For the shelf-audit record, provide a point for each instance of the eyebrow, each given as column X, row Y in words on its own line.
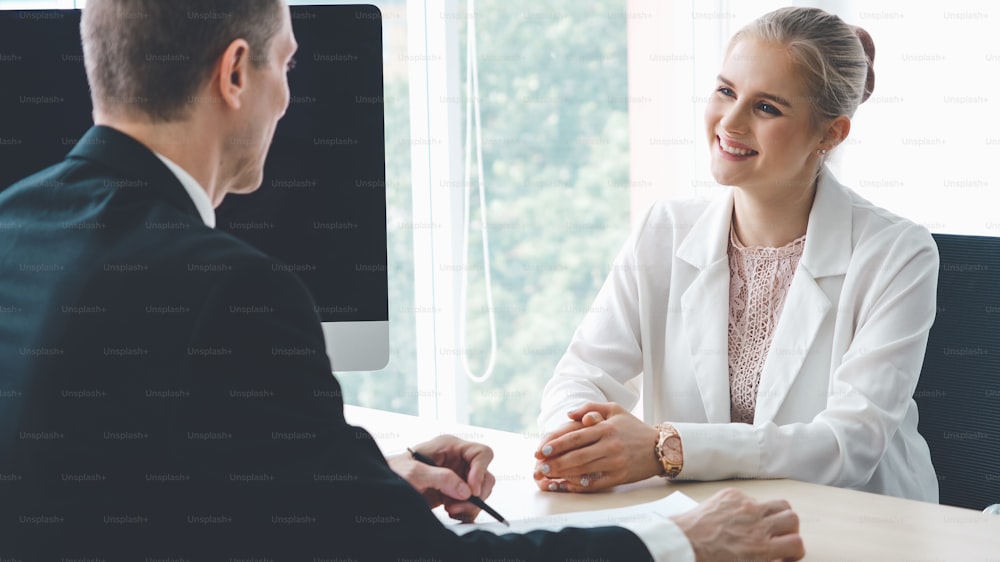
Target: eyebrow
column 764, row 95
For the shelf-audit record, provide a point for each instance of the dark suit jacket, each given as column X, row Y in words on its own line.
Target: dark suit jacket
column 165, row 393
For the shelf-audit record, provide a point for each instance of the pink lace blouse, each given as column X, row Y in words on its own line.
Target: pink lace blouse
column 759, row 278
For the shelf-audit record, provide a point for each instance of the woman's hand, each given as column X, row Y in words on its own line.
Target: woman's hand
column 460, row 472
column 603, row 446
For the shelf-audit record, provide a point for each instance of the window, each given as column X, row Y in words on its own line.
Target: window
column 552, row 100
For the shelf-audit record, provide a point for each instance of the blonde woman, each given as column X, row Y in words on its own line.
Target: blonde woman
column 776, row 334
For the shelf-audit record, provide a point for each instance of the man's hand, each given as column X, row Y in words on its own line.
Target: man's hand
column 461, row 472
column 731, row 526
column 603, row 446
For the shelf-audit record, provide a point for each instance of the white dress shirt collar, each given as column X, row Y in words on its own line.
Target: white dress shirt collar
column 194, row 189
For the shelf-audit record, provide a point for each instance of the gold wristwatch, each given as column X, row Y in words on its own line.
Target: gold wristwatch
column 669, row 451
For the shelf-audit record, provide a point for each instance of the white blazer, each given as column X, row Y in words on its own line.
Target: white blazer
column 835, row 402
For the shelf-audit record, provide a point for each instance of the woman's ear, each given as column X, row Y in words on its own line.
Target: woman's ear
column 836, row 131
column 231, row 75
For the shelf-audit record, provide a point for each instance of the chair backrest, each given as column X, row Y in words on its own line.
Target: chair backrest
column 958, row 395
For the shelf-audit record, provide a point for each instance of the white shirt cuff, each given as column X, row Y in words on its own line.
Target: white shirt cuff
column 663, row 538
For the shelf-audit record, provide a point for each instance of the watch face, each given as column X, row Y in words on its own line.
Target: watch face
column 672, row 450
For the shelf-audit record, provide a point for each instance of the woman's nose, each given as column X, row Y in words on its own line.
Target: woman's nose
column 734, row 118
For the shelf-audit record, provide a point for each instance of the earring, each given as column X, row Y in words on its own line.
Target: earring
column 822, row 152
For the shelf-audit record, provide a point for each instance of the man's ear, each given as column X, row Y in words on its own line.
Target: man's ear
column 837, row 131
column 231, row 78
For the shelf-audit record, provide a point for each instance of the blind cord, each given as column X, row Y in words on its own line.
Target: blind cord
column 472, row 110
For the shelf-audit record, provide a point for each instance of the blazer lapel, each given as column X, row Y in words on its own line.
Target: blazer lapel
column 705, row 307
column 806, row 305
column 827, row 253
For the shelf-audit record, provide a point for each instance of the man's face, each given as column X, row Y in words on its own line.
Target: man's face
column 266, row 101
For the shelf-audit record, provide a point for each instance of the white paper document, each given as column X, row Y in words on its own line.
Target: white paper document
column 673, row 504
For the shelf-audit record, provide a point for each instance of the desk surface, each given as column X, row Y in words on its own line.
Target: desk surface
column 836, row 524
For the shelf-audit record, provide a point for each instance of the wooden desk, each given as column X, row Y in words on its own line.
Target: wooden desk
column 836, row 524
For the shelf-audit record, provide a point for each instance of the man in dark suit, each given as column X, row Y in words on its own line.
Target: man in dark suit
column 145, row 413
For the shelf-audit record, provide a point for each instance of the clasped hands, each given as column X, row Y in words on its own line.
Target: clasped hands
column 603, row 445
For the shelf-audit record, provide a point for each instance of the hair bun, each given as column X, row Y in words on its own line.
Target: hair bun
column 869, row 46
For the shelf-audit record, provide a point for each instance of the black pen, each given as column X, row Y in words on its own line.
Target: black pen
column 474, row 500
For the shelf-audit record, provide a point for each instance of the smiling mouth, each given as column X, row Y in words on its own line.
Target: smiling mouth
column 736, row 151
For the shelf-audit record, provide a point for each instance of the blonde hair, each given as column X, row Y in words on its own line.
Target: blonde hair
column 835, row 58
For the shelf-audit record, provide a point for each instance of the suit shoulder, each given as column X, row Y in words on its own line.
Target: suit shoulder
column 56, row 176
column 205, row 249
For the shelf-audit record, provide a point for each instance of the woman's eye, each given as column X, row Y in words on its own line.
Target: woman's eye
column 768, row 108
column 726, row 91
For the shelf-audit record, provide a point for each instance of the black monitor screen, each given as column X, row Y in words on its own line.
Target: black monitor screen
column 44, row 98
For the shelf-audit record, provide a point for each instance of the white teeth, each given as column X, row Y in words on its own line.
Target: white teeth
column 736, row 151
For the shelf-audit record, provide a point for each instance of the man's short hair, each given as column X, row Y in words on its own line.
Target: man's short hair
column 149, row 58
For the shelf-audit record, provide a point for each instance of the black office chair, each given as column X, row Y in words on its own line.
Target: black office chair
column 959, row 390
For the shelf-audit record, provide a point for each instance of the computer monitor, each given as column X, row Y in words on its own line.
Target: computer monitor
column 321, row 207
